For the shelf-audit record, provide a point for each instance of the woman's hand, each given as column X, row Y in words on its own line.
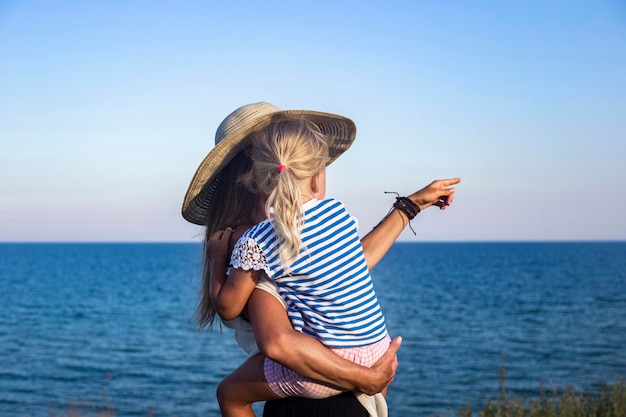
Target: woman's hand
column 437, row 193
column 384, row 370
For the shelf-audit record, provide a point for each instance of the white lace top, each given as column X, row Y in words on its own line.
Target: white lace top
column 247, row 255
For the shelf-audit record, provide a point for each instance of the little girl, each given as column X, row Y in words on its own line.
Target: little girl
column 310, row 248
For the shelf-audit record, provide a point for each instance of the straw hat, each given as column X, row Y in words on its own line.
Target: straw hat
column 233, row 135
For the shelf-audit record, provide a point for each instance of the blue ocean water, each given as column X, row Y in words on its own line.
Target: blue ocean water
column 111, row 324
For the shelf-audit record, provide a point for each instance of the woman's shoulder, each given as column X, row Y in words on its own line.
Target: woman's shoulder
column 237, row 233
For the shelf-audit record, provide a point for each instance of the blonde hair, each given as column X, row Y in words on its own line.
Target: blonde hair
column 284, row 152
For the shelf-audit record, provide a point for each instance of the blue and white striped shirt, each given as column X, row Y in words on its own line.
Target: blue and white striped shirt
column 328, row 288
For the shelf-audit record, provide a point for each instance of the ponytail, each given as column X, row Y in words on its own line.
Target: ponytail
column 287, row 151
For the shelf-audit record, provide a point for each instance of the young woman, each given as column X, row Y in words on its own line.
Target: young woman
column 215, row 200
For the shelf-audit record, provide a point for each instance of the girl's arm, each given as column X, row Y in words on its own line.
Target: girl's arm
column 305, row 355
column 378, row 241
column 229, row 294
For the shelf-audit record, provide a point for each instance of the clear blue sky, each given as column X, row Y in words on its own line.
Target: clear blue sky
column 107, row 108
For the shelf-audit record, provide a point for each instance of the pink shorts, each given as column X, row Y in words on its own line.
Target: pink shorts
column 287, row 383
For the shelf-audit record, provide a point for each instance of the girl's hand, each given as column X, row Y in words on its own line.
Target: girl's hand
column 437, row 193
column 218, row 246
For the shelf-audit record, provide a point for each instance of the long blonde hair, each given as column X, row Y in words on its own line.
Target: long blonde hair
column 284, row 152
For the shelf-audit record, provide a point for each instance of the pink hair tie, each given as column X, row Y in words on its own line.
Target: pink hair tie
column 281, row 168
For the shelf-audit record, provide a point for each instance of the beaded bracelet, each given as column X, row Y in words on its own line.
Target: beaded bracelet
column 406, row 206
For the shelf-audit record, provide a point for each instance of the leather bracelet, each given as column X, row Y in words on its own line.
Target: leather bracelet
column 406, row 206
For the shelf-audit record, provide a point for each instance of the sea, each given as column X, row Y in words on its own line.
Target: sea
column 92, row 327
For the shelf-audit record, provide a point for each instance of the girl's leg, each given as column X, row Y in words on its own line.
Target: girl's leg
column 244, row 386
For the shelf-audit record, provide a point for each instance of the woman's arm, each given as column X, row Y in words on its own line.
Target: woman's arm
column 378, row 241
column 306, row 355
column 280, row 342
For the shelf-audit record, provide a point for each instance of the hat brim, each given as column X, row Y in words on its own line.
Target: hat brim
column 340, row 132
